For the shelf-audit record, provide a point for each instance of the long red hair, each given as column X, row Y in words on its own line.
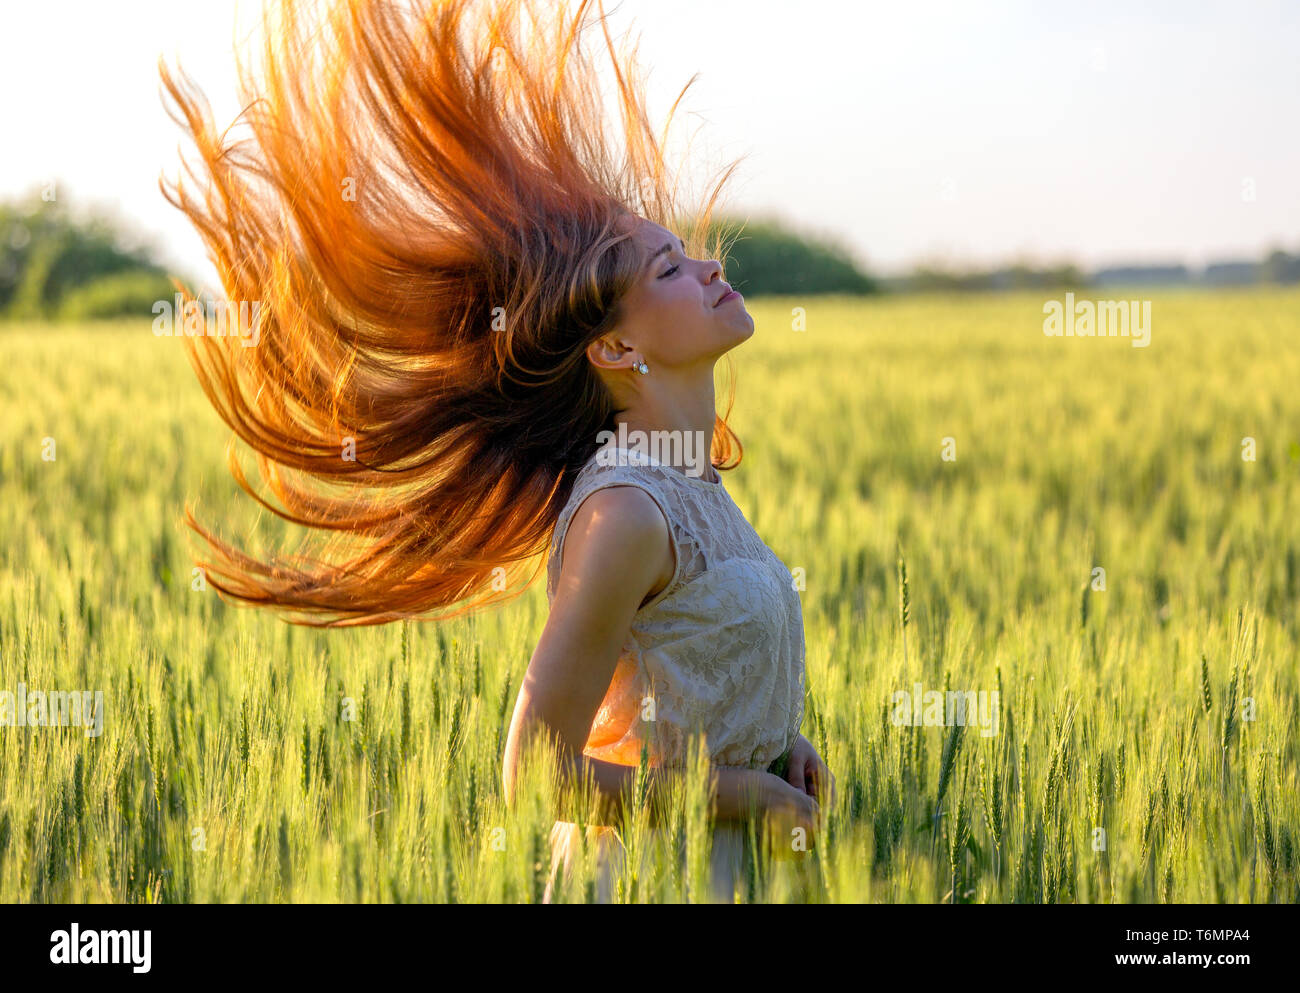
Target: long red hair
column 431, row 216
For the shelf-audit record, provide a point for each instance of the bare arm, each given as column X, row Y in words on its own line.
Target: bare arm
column 617, row 554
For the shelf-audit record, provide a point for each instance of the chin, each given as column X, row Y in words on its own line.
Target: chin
column 742, row 335
column 737, row 331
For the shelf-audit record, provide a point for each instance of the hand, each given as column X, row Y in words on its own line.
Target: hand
column 785, row 809
column 809, row 774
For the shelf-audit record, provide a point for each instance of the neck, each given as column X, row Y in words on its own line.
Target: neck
column 678, row 410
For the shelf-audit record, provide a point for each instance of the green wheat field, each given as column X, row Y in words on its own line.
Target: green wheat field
column 1095, row 549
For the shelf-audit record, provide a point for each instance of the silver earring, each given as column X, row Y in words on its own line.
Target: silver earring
column 641, row 367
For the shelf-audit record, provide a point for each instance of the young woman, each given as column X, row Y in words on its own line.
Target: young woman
column 463, row 287
column 668, row 613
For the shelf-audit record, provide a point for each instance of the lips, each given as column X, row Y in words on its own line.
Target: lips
column 722, row 299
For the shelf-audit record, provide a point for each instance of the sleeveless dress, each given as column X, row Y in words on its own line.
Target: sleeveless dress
column 720, row 648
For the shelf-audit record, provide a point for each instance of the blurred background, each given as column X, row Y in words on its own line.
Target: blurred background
column 914, row 147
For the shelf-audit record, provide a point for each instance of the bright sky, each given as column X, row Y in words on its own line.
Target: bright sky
column 925, row 130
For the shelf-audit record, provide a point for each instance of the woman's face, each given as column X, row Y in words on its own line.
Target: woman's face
column 678, row 313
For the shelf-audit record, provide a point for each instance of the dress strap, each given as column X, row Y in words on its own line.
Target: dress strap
column 598, row 477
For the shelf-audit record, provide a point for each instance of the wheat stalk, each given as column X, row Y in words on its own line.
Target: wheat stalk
column 904, row 603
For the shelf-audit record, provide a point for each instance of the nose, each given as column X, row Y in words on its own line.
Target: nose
column 714, row 270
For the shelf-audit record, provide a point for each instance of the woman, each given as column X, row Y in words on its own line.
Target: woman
column 457, row 273
column 663, row 599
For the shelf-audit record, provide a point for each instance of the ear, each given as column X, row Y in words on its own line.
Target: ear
column 608, row 352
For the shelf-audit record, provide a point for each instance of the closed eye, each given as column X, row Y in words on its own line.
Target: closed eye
column 670, row 272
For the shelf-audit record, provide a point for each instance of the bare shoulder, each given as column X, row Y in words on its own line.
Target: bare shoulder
column 618, row 534
column 615, row 554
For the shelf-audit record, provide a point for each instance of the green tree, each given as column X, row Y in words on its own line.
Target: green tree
column 48, row 258
column 765, row 257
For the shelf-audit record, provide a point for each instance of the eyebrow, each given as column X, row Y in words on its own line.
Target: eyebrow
column 667, row 247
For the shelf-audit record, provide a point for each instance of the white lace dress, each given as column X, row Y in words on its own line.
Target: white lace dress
column 720, row 648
